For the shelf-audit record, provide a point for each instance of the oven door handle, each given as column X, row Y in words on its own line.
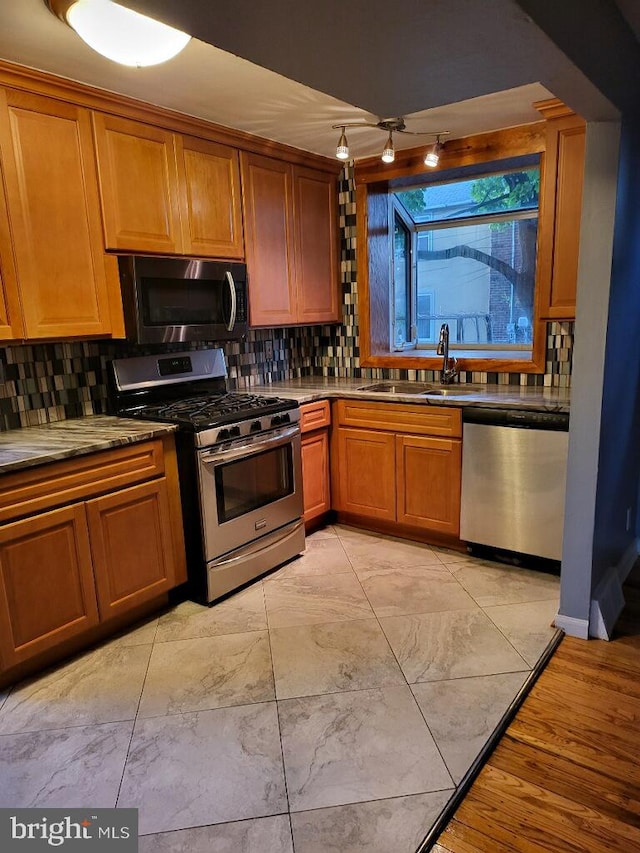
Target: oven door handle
column 281, row 438
column 232, row 293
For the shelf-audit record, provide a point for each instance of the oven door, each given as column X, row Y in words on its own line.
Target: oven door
column 249, row 489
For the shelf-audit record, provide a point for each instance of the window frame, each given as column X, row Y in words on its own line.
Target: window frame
column 373, row 186
column 396, row 212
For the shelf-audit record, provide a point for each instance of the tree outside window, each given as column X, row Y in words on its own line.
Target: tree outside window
column 474, row 251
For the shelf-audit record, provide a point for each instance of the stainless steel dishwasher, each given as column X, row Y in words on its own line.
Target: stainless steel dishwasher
column 514, row 466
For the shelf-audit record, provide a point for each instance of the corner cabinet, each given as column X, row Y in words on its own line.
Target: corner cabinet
column 291, row 222
column 165, row 193
column 85, row 541
column 398, row 464
column 315, row 419
column 560, row 211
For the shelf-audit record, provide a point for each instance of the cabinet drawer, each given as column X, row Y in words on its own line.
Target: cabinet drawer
column 58, row 483
column 399, row 417
column 315, row 416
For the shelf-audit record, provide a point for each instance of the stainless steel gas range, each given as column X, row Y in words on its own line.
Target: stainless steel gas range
column 239, row 462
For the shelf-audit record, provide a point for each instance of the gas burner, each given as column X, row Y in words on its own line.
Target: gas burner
column 211, row 410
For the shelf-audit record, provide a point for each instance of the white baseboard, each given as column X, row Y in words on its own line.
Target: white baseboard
column 608, row 601
column 573, row 627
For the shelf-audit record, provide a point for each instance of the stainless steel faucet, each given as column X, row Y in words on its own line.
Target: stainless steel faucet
column 449, row 365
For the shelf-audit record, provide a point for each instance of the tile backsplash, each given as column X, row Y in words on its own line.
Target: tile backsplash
column 49, row 382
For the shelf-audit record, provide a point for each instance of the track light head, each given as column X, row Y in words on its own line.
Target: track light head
column 432, row 157
column 342, row 149
column 388, row 152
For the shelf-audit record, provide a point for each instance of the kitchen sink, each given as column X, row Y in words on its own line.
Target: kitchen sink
column 397, row 387
column 422, row 389
column 453, row 391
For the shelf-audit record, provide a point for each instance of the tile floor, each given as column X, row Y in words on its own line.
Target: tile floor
column 332, row 706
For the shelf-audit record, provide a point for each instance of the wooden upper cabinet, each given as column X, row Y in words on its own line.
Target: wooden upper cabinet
column 268, row 212
column 138, row 185
column 316, row 232
column 11, row 327
column 209, row 181
column 68, row 286
column 165, row 193
column 560, row 211
column 290, row 215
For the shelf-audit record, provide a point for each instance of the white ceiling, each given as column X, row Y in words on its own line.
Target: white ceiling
column 208, row 82
column 288, row 70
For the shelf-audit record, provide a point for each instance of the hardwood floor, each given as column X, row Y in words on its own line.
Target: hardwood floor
column 565, row 777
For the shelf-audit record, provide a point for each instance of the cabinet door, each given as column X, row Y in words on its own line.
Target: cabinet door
column 67, row 285
column 366, row 473
column 209, row 176
column 132, row 547
column 268, row 211
column 138, row 185
column 316, row 235
column 429, row 472
column 561, row 208
column 46, row 583
column 10, row 314
column 315, row 474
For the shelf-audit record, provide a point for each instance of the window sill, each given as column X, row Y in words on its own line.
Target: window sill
column 476, row 361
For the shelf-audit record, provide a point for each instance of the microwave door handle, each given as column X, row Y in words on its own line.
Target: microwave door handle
column 232, row 292
column 279, row 440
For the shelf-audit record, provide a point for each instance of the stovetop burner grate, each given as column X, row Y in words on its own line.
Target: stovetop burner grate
column 211, row 409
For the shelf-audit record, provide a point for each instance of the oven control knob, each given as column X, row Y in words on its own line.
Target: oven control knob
column 256, row 426
column 223, row 434
column 285, row 419
column 276, row 420
column 234, row 432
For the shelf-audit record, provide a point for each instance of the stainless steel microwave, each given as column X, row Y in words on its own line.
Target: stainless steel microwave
column 182, row 299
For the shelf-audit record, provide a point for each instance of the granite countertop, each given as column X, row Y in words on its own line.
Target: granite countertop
column 309, row 388
column 36, row 445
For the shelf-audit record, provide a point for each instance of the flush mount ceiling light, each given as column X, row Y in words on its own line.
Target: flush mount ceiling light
column 390, row 126
column 120, row 34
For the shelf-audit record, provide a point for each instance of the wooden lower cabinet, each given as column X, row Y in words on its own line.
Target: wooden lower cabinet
column 429, row 471
column 66, row 571
column 315, row 475
column 367, row 473
column 47, row 593
column 388, row 468
column 130, row 533
column 315, row 419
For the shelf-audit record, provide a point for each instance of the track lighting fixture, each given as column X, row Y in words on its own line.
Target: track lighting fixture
column 120, row 34
column 432, row 157
column 390, row 126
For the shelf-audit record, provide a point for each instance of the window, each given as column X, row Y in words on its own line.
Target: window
column 402, row 333
column 465, row 255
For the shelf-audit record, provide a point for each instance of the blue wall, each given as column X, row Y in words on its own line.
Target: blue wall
column 619, row 459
